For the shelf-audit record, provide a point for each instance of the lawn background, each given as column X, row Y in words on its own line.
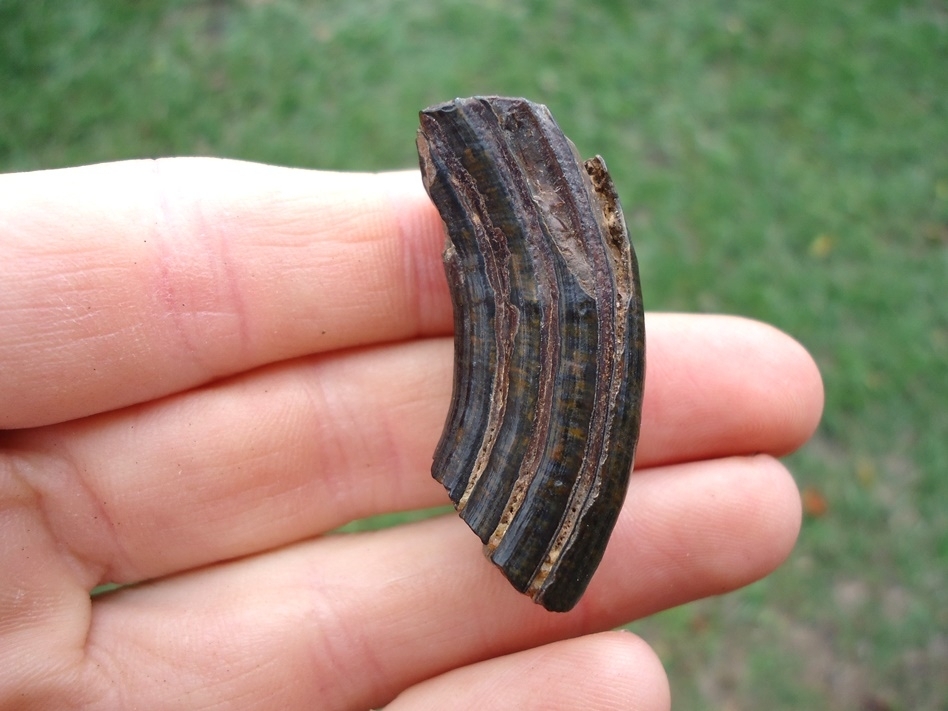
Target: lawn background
column 785, row 161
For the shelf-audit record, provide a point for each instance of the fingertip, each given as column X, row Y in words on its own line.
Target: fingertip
column 775, row 512
column 635, row 671
column 693, row 530
column 754, row 521
column 610, row 670
column 808, row 397
column 788, row 385
column 719, row 386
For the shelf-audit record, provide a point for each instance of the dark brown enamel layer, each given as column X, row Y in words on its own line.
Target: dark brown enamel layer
column 549, row 341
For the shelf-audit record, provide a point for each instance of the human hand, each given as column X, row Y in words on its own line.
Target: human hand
column 208, row 365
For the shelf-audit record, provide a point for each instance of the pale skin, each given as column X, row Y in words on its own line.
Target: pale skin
column 206, row 366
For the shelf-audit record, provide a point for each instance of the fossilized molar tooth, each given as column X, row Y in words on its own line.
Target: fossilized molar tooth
column 549, row 341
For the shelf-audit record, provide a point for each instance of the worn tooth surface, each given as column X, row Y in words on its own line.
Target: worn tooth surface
column 549, row 364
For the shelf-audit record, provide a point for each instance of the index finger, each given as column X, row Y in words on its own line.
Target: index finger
column 124, row 282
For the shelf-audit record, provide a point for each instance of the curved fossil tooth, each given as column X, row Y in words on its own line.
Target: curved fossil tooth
column 549, row 341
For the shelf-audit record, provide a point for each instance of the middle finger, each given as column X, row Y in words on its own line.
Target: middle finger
column 300, row 448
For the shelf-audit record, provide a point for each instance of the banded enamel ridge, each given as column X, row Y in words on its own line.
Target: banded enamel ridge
column 549, row 334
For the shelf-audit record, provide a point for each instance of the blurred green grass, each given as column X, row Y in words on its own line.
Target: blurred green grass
column 788, row 162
